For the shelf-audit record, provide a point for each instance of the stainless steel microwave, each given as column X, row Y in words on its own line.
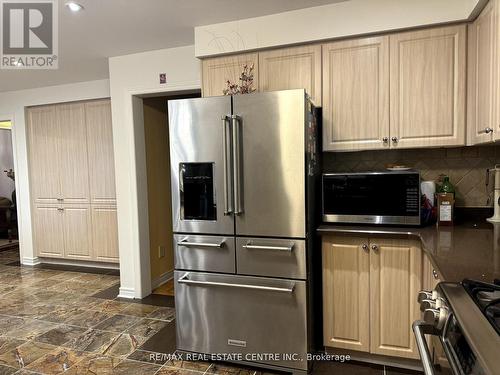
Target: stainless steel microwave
column 389, row 197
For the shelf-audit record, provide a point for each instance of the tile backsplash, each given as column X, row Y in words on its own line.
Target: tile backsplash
column 466, row 167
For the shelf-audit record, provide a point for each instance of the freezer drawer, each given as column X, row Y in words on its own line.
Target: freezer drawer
column 271, row 257
column 241, row 314
column 204, row 253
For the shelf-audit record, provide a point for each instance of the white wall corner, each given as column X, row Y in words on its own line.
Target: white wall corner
column 164, row 277
column 27, row 261
column 128, row 293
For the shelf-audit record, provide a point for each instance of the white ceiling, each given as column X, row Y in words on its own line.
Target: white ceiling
column 118, row 27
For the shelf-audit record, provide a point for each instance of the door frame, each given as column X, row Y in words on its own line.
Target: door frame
column 11, row 118
column 140, row 266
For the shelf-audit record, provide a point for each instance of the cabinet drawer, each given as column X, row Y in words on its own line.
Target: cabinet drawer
column 271, row 257
column 204, row 253
column 241, row 314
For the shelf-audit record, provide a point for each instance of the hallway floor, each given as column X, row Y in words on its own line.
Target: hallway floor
column 54, row 321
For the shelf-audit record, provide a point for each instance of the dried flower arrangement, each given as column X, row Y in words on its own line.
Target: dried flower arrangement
column 246, row 86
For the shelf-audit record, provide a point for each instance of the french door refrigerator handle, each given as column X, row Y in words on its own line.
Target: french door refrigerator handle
column 228, row 201
column 238, row 205
column 184, row 280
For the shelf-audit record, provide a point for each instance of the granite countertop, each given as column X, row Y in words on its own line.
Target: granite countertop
column 470, row 249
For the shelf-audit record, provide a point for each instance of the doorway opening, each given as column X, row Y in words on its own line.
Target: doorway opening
column 9, row 245
column 156, row 136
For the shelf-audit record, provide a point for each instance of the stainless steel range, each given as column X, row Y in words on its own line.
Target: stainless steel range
column 244, row 172
column 466, row 318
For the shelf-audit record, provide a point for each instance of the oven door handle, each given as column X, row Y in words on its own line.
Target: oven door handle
column 420, row 329
column 184, row 280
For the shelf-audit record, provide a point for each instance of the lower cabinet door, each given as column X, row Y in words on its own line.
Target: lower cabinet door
column 48, row 231
column 242, row 315
column 395, row 280
column 346, row 293
column 105, row 234
column 77, row 232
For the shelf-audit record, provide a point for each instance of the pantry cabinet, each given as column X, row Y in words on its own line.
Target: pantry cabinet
column 71, row 164
column 427, row 94
column 370, row 287
column 483, row 77
column 216, row 71
column 356, row 94
column 292, row 68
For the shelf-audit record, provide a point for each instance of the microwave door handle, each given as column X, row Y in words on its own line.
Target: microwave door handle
column 238, row 205
column 228, row 202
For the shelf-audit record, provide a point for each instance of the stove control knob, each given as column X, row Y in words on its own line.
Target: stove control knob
column 431, row 316
column 423, row 295
column 436, row 317
column 427, row 304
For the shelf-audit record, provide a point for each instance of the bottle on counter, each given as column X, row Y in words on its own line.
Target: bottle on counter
column 446, row 202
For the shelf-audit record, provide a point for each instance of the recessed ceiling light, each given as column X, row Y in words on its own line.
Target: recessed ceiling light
column 74, row 6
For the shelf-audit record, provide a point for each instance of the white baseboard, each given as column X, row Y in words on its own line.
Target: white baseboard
column 128, row 293
column 26, row 261
column 164, row 277
column 79, row 263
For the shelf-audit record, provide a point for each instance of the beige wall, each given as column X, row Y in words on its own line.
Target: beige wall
column 159, row 197
column 466, row 167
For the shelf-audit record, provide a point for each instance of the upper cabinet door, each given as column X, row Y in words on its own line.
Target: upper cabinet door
column 356, row 94
column 428, row 87
column 481, row 74
column 292, row 68
column 100, row 151
column 217, row 71
column 44, row 157
column 74, row 158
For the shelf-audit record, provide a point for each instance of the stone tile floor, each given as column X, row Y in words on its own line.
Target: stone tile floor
column 52, row 322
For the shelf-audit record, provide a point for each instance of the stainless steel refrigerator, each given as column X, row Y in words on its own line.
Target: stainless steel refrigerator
column 244, row 171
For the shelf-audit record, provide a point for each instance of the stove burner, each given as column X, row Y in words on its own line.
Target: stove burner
column 487, row 298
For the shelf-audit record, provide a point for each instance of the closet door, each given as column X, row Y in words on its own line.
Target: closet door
column 100, row 152
column 43, row 148
column 48, row 231
column 73, row 153
column 77, row 232
column 105, row 234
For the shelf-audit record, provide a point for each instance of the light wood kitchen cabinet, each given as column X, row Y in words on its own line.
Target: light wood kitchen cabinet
column 427, row 93
column 73, row 153
column 356, row 94
column 483, row 77
column 216, row 71
column 370, row 288
column 43, row 132
column 48, row 230
column 395, row 280
column 292, row 68
column 346, row 271
column 100, row 152
column 105, row 233
column 72, row 172
column 77, row 232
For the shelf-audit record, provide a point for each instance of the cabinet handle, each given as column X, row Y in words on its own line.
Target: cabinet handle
column 435, row 274
column 395, row 139
column 385, row 139
column 488, row 130
column 374, row 247
column 60, row 209
column 364, row 247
